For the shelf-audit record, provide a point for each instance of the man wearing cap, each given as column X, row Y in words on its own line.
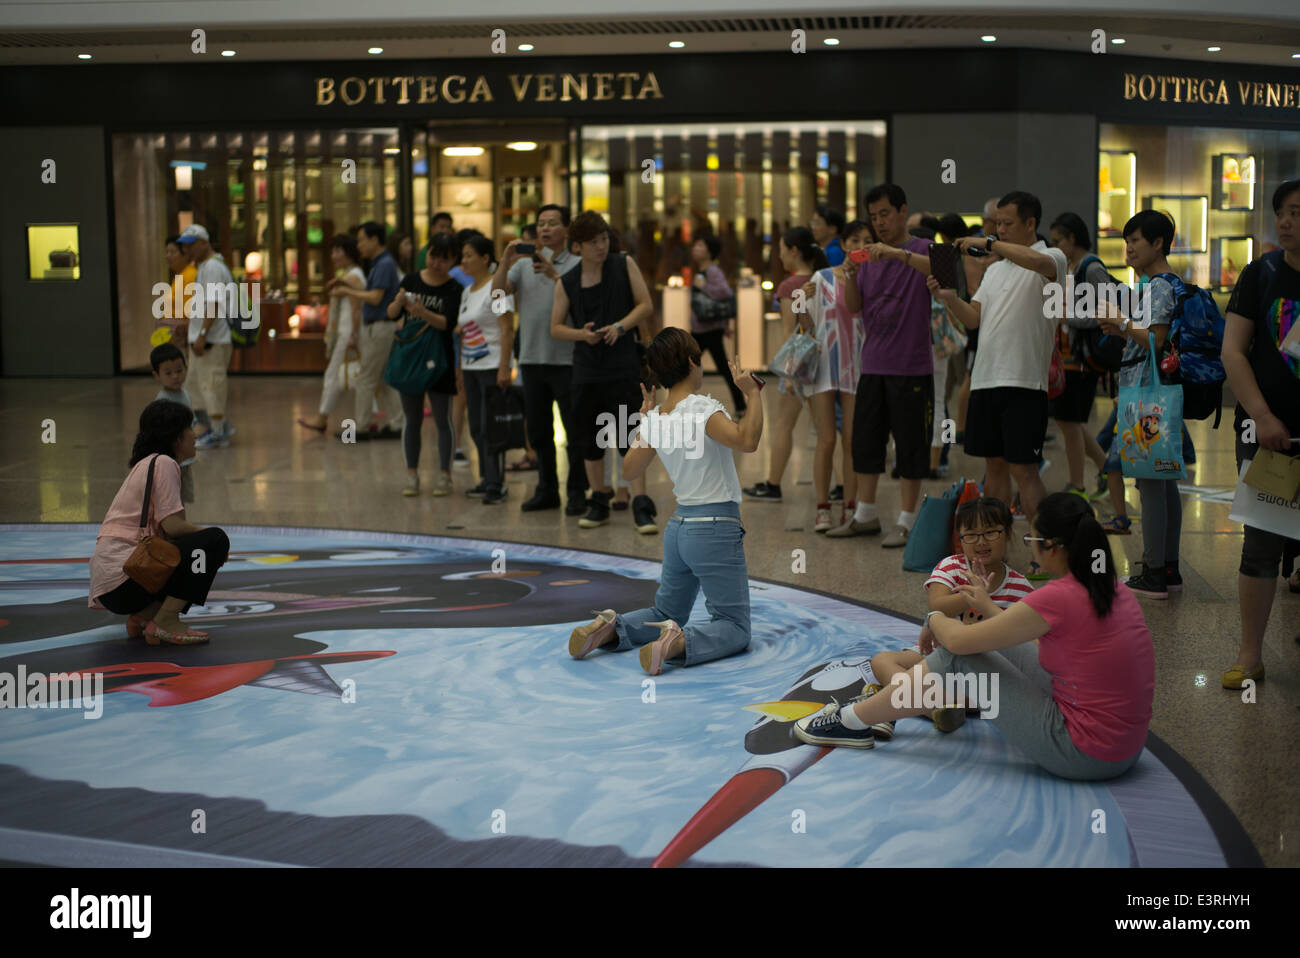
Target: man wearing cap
column 209, row 334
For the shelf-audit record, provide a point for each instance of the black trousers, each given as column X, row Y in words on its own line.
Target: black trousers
column 130, row 597
column 543, row 385
column 711, row 342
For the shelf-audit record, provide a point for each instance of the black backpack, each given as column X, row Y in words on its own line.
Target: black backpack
column 1093, row 349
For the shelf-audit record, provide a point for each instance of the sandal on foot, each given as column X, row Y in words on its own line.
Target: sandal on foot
column 135, row 627
column 154, row 635
column 585, row 639
column 1118, row 526
column 306, row 425
column 654, row 654
column 1236, row 676
column 525, row 464
column 1035, row 573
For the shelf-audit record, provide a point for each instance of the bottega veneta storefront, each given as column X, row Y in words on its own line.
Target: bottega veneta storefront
column 274, row 159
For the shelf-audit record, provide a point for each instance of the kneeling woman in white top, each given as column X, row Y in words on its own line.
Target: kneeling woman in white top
column 703, row 542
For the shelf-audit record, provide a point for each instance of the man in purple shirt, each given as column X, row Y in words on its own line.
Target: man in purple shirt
column 896, row 388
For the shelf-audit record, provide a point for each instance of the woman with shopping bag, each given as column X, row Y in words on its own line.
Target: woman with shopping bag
column 341, row 334
column 1148, row 442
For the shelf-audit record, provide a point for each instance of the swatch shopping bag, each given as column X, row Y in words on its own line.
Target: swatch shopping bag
column 1263, row 510
column 928, row 542
column 1149, row 428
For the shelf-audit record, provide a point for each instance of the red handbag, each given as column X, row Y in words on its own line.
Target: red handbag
column 1055, row 376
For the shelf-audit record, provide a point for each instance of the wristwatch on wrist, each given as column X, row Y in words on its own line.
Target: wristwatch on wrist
column 1124, row 324
column 933, row 612
column 619, row 327
column 988, row 243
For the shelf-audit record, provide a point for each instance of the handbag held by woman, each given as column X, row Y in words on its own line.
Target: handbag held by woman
column 154, row 559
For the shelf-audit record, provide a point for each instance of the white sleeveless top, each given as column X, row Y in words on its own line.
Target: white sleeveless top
column 703, row 470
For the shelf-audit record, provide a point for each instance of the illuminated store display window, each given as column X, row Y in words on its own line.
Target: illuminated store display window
column 1234, row 179
column 53, row 251
column 1191, row 220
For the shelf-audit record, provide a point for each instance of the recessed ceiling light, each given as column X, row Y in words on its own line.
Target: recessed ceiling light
column 988, row 38
column 227, row 53
column 832, row 41
column 525, row 47
column 523, row 146
column 462, row 151
column 83, row 56
column 1118, row 40
column 676, row 44
column 1295, row 56
column 1214, row 49
column 375, row 51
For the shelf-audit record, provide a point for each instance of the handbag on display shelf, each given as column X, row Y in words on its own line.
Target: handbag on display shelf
column 154, row 559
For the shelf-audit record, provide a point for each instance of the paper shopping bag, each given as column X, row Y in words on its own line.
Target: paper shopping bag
column 1275, row 473
column 1262, row 510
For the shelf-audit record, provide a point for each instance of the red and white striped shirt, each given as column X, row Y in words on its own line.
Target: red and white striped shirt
column 953, row 572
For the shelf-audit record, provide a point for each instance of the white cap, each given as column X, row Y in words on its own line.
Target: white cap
column 192, row 233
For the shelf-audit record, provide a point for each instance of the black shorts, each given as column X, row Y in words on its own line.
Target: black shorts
column 1007, row 423
column 1075, row 404
column 1262, row 552
column 620, row 400
column 903, row 405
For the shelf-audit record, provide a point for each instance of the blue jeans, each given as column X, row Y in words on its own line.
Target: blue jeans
column 708, row 555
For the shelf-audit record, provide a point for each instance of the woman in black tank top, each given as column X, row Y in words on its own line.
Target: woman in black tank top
column 598, row 307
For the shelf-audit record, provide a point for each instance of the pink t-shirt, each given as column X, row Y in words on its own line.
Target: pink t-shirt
column 1103, row 670
column 120, row 530
column 953, row 572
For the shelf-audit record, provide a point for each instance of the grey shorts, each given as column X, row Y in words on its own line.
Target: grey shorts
column 1028, row 717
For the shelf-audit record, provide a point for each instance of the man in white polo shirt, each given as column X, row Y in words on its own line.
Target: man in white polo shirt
column 211, row 309
column 1007, row 418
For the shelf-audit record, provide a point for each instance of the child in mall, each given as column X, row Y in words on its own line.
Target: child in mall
column 975, row 585
column 169, row 369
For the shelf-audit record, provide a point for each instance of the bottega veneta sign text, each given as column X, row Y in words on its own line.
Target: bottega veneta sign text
column 1183, row 89
column 457, row 88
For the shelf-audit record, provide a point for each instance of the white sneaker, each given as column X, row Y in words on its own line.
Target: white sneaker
column 896, row 539
column 412, row 487
column 823, row 522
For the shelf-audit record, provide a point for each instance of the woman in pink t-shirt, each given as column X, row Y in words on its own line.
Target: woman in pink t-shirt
column 1077, row 703
column 165, row 440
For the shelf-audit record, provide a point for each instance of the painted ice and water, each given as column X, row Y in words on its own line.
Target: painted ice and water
column 474, row 727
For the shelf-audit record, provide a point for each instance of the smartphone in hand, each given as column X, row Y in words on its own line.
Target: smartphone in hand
column 860, row 255
column 526, row 249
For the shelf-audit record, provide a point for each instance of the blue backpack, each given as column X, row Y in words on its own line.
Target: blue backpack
column 1196, row 336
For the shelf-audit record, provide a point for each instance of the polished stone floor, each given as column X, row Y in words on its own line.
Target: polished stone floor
column 278, row 474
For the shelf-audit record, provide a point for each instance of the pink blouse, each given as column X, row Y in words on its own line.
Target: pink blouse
column 120, row 530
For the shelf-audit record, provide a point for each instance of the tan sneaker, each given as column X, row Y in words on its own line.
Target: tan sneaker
column 855, row 528
column 442, row 485
column 412, row 487
column 896, row 539
column 823, row 522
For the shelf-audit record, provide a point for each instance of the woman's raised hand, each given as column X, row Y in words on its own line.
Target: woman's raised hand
column 743, row 380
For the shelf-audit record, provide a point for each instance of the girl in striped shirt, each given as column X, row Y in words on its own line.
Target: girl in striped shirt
column 972, row 586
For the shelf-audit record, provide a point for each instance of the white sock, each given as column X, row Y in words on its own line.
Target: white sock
column 906, row 519
column 865, row 511
column 850, row 720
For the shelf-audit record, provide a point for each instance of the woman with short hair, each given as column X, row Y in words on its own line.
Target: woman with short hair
column 165, row 439
column 694, row 438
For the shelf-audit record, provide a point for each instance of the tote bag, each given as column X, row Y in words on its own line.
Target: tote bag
column 931, row 536
column 417, row 359
column 1263, row 510
column 796, row 360
column 1149, row 428
column 505, row 426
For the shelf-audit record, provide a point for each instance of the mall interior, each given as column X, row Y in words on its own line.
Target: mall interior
column 424, row 636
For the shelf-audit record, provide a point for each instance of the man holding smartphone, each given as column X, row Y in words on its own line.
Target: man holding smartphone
column 895, row 391
column 1007, row 419
column 529, row 272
